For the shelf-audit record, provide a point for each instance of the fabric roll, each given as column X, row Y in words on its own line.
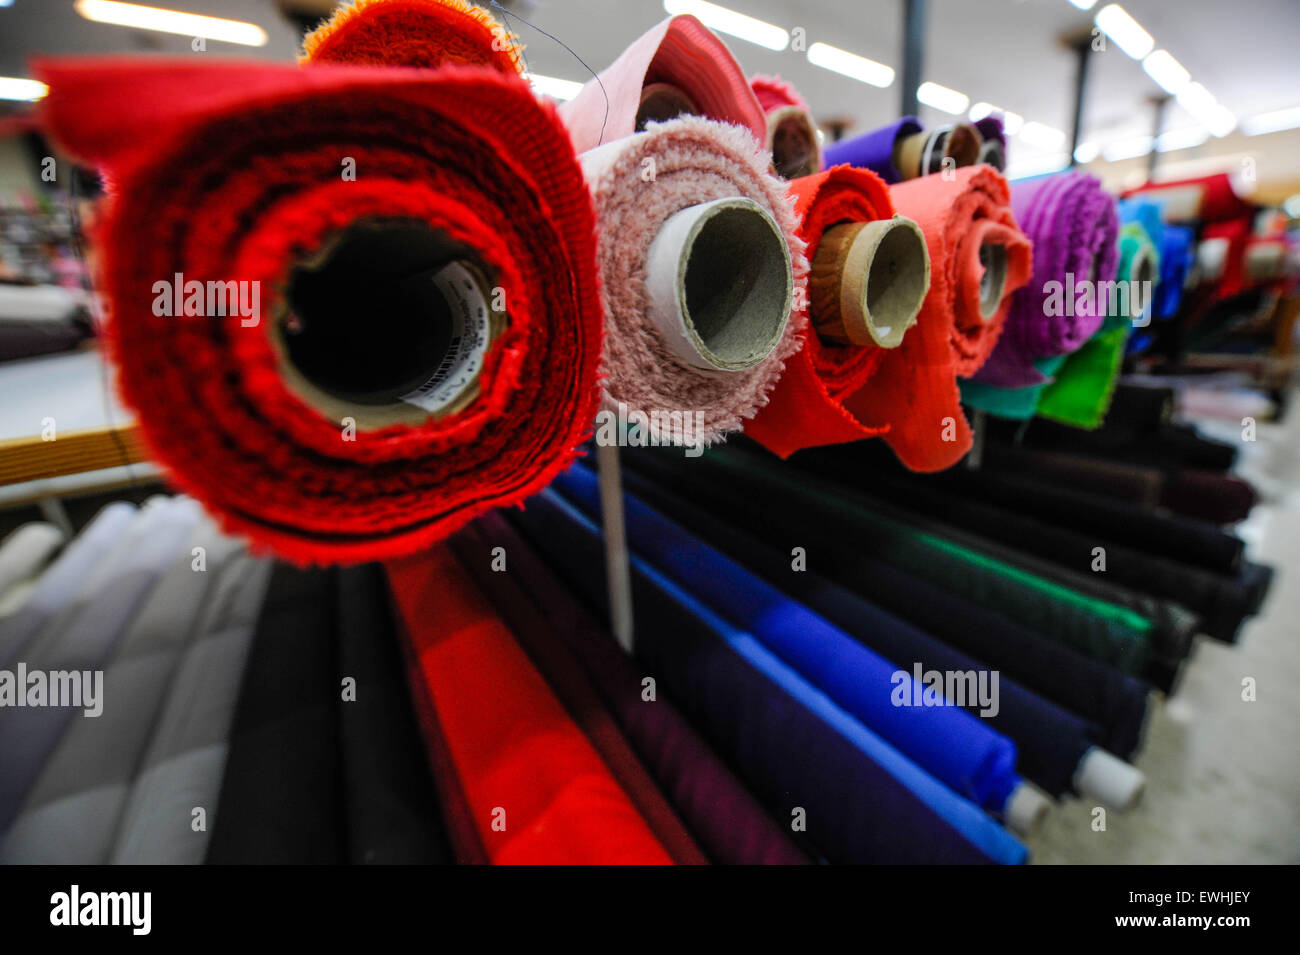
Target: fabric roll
column 64, row 579
column 538, row 796
column 71, row 814
column 1073, row 226
column 390, row 804
column 23, row 555
column 862, row 801
column 1176, row 252
column 1114, row 701
column 973, row 242
column 168, row 817
column 956, row 748
column 791, row 133
column 678, row 66
column 537, row 636
column 721, row 813
column 329, row 420
column 874, row 150
column 424, row 33
column 993, row 148
column 807, row 406
column 282, row 793
column 80, row 639
column 1050, row 741
column 1207, row 199
column 691, row 161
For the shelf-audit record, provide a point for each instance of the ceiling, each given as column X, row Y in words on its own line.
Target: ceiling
column 1006, row 52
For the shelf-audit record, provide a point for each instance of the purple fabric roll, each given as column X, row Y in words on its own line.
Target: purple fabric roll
column 994, row 150
column 720, row 812
column 873, row 150
column 1073, row 225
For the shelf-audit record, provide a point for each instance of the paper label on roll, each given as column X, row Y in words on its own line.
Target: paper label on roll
column 471, row 333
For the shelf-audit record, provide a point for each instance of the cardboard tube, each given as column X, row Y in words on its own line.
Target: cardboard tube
column 720, row 284
column 993, row 282
column 793, row 141
column 1142, row 269
column 993, row 153
column 869, row 281
column 1109, row 780
column 661, row 102
column 1025, row 808
column 924, row 153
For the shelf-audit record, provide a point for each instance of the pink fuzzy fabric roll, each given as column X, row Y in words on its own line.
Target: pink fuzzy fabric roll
column 690, row 161
column 791, row 132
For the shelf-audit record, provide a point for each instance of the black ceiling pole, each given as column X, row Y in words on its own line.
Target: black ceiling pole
column 1083, row 53
column 913, row 53
column 1158, row 107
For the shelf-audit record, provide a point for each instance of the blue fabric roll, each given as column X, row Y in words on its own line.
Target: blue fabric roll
column 873, row 150
column 956, row 748
column 862, row 800
column 1175, row 260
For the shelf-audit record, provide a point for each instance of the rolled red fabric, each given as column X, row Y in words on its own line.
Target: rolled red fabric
column 914, row 391
column 262, row 175
column 537, row 791
column 791, row 132
column 807, row 406
column 678, row 66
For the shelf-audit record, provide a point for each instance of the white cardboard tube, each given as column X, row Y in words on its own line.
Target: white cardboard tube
column 1109, row 779
column 1026, row 808
column 720, row 284
column 993, row 283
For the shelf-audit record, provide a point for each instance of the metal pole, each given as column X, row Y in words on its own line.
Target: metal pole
column 618, row 575
column 1159, row 105
column 913, row 54
column 1082, row 51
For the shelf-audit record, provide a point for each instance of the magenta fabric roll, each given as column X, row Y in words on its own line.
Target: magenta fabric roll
column 1073, row 225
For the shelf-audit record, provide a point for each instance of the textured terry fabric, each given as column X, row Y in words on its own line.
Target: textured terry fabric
column 680, row 51
column 413, row 33
column 85, row 635
column 864, row 801
column 695, row 160
column 721, row 813
column 562, row 672
column 1113, row 701
column 391, row 806
column 806, row 407
column 914, row 391
column 873, row 150
column 182, row 768
column 513, row 747
column 956, row 748
column 1072, row 224
column 282, row 799
column 253, row 151
column 23, row 555
column 1050, row 741
column 71, row 813
column 64, row 579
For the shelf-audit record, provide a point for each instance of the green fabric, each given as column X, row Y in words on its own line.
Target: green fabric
column 1100, row 628
column 1018, row 404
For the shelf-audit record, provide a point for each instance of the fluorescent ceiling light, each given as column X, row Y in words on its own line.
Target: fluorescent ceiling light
column 732, row 23
column 1165, row 70
column 1181, row 139
column 1023, row 168
column 1084, row 4
column 171, row 21
column 1128, row 148
column 1220, row 121
column 942, row 98
column 554, row 87
column 1127, row 33
column 1044, row 137
column 1011, row 122
column 13, row 87
column 980, row 111
column 850, row 64
column 1292, row 206
column 1273, row 122
column 1085, row 153
column 1196, row 99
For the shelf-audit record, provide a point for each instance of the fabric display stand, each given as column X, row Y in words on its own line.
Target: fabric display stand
column 839, row 415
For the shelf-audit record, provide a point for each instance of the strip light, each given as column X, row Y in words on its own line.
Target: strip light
column 1273, row 122
column 1127, row 33
column 732, row 23
column 1044, row 137
column 942, row 98
column 850, row 64
column 26, row 91
column 1177, row 139
column 1085, row 153
column 554, row 87
column 1011, row 122
column 1128, row 148
column 1084, row 4
column 171, row 21
column 1168, row 72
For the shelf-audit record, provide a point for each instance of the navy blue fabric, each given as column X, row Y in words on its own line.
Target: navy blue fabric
column 958, row 749
column 862, row 801
column 1049, row 739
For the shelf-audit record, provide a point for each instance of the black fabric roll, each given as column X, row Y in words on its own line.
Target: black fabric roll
column 1097, row 692
column 282, row 799
column 392, row 809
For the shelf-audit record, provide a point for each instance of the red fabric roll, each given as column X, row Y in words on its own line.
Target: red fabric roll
column 806, row 408
column 1207, row 199
column 537, row 791
column 232, row 171
column 914, row 391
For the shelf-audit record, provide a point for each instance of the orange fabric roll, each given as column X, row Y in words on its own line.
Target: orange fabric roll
column 914, row 391
column 537, row 791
